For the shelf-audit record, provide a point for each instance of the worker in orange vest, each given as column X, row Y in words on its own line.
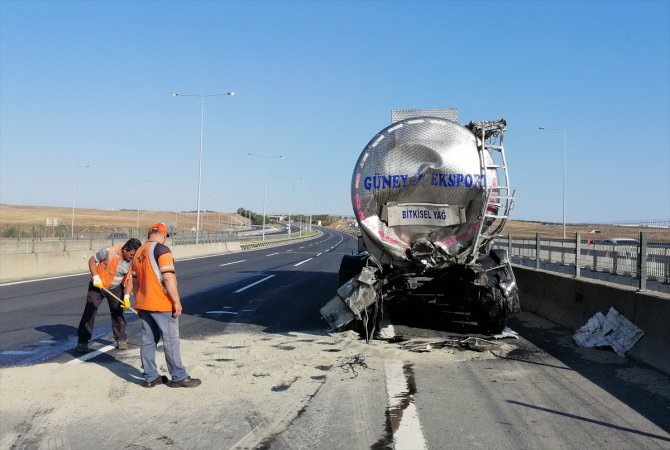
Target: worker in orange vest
column 158, row 305
column 110, row 269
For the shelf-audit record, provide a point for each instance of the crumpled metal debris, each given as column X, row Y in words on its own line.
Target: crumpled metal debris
column 507, row 332
column 458, row 342
column 612, row 330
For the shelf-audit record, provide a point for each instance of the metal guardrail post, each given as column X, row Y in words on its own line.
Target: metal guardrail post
column 578, row 253
column 537, row 250
column 642, row 261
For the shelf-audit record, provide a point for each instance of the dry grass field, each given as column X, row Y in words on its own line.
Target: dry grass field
column 11, row 215
column 36, row 215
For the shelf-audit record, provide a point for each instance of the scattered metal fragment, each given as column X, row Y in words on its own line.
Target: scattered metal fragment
column 348, row 365
column 462, row 343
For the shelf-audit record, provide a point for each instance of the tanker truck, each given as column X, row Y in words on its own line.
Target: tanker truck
column 429, row 196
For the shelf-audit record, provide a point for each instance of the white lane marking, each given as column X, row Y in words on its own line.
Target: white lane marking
column 234, row 262
column 319, row 254
column 252, row 284
column 220, row 312
column 407, row 434
column 301, row 247
column 302, row 262
column 43, row 279
column 18, row 352
column 91, row 355
column 289, row 250
column 50, row 342
column 272, row 254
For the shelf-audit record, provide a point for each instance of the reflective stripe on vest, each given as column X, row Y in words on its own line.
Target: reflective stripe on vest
column 154, row 263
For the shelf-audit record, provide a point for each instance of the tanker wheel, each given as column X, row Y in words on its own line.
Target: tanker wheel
column 490, row 312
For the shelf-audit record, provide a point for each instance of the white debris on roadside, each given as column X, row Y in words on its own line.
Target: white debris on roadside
column 613, row 330
column 507, row 332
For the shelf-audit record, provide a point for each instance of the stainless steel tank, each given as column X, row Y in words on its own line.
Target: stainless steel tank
column 421, row 180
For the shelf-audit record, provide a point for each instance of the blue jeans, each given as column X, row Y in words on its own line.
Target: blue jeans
column 157, row 325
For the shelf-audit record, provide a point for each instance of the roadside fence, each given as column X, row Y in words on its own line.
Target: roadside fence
column 637, row 263
column 40, row 239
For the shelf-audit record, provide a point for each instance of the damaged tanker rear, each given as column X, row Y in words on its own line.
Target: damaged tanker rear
column 429, row 195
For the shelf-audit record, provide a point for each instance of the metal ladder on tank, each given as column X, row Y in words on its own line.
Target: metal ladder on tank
column 499, row 199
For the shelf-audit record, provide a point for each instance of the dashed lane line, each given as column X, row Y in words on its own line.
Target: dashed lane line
column 252, row 284
column 302, row 262
column 234, row 262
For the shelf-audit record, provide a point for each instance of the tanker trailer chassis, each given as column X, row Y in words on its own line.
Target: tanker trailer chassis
column 484, row 293
column 429, row 196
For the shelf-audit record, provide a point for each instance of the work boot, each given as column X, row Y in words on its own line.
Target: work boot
column 122, row 345
column 82, row 347
column 187, row 382
column 154, row 382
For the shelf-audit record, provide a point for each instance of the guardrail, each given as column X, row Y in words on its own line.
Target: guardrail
column 645, row 265
column 45, row 261
column 95, row 241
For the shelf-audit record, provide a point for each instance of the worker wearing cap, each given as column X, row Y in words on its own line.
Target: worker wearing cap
column 110, row 277
column 159, row 307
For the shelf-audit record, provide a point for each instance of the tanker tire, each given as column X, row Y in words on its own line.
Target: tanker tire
column 490, row 313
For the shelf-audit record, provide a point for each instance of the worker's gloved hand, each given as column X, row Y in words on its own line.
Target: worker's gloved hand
column 126, row 301
column 97, row 282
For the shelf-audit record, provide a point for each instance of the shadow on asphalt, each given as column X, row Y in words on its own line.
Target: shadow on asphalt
column 551, row 340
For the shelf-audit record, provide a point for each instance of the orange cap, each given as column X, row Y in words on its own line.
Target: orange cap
column 159, row 228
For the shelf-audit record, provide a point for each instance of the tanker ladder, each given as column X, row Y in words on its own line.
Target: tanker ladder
column 499, row 199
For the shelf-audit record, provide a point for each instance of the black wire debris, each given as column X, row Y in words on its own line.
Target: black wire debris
column 349, row 365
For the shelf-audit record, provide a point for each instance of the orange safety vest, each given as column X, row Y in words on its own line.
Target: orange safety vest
column 107, row 267
column 151, row 295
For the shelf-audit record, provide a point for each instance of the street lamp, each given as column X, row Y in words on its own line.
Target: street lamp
column 565, row 152
column 265, row 182
column 290, row 198
column 74, row 190
column 202, row 131
column 301, row 215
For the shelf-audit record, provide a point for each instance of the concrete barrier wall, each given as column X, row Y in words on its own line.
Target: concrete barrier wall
column 23, row 266
column 570, row 302
column 30, row 265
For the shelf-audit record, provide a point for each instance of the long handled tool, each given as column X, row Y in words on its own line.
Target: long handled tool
column 118, row 299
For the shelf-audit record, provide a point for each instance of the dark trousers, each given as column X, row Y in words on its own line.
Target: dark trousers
column 93, row 300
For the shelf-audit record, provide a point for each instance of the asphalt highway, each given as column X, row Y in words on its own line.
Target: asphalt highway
column 544, row 393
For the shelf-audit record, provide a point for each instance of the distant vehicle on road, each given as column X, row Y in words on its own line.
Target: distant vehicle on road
column 618, row 241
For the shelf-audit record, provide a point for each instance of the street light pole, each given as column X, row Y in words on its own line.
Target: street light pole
column 74, row 190
column 202, row 133
column 302, row 214
column 565, row 159
column 265, row 182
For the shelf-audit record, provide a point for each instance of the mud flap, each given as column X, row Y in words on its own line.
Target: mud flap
column 336, row 313
column 353, row 297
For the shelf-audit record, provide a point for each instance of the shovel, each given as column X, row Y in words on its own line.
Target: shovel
column 118, row 299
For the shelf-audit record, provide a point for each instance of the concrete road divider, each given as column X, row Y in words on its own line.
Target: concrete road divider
column 570, row 302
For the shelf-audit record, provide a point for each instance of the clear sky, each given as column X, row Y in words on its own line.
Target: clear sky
column 88, row 83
